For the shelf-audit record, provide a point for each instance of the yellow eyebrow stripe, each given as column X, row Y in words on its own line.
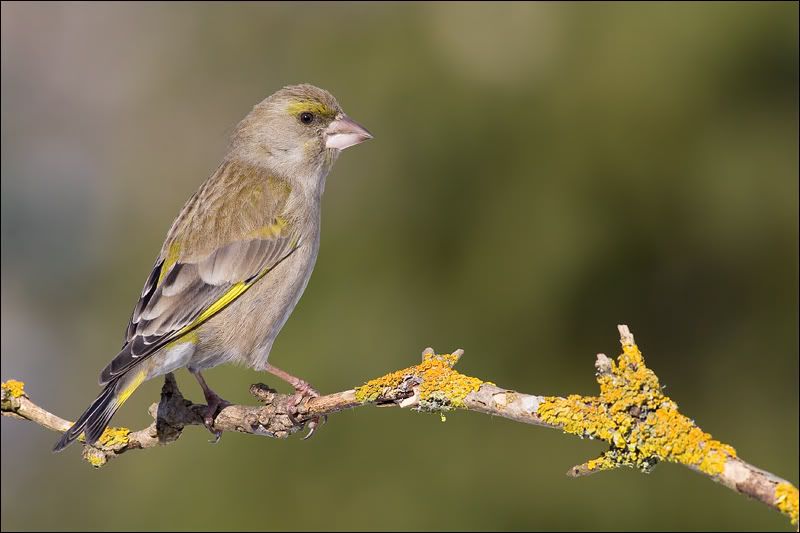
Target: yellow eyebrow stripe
column 295, row 108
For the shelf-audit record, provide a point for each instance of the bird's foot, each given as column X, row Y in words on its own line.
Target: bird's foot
column 303, row 390
column 215, row 405
column 214, row 402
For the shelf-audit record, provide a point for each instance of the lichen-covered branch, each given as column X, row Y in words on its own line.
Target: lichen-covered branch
column 632, row 414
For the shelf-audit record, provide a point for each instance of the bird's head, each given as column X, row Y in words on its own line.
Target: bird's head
column 298, row 132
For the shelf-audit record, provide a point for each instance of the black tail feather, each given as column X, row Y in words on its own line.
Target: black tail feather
column 94, row 420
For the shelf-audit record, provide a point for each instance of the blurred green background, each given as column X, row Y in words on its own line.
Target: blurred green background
column 539, row 174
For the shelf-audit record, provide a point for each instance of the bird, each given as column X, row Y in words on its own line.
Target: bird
column 236, row 259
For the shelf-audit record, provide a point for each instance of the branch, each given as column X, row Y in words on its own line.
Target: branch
column 632, row 414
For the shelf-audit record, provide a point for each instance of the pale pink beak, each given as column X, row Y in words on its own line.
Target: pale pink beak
column 345, row 132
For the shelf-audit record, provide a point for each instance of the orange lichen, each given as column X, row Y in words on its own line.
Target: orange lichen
column 786, row 499
column 440, row 388
column 15, row 388
column 642, row 424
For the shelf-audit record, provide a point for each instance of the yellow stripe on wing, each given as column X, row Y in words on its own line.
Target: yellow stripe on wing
column 230, row 295
column 173, row 254
column 125, row 393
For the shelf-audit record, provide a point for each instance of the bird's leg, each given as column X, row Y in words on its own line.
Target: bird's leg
column 214, row 401
column 298, row 384
column 301, row 390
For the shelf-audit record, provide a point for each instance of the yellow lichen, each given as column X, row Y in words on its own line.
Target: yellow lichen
column 642, row 424
column 112, row 437
column 786, row 497
column 15, row 388
column 94, row 457
column 440, row 387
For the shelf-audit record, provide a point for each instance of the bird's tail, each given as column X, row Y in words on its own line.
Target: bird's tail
column 94, row 420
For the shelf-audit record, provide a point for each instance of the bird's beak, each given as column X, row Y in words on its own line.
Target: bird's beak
column 345, row 132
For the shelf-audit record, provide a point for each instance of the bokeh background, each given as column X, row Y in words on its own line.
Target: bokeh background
column 539, row 174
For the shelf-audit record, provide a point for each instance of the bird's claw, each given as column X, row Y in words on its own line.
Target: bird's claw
column 314, row 423
column 215, row 405
column 312, row 427
column 301, row 393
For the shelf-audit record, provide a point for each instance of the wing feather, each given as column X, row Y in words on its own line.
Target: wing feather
column 196, row 276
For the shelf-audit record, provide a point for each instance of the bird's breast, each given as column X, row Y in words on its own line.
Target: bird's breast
column 245, row 330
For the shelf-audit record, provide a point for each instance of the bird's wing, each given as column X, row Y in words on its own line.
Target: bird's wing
column 228, row 236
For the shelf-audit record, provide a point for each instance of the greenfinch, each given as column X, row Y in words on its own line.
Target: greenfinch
column 237, row 258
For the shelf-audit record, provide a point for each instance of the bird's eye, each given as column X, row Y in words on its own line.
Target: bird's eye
column 306, row 117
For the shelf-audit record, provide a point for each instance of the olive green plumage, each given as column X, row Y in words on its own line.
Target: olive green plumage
column 238, row 256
